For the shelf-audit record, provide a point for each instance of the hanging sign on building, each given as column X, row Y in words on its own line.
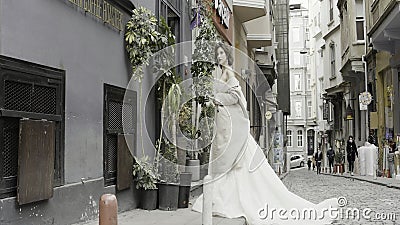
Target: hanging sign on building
column 325, row 115
column 349, row 113
column 223, row 12
column 223, row 20
column 365, row 99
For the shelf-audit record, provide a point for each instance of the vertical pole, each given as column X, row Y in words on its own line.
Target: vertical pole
column 365, row 68
column 108, row 210
column 207, row 200
column 208, row 181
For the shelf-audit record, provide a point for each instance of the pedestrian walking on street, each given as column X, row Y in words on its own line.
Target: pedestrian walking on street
column 372, row 138
column 309, row 163
column 352, row 152
column 318, row 160
column 331, row 156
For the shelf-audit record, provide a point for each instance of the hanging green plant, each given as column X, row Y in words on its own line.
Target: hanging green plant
column 144, row 36
column 202, row 71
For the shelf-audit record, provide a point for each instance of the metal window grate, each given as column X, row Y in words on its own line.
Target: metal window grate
column 127, row 117
column 111, row 160
column 44, row 100
column 31, row 91
column 115, row 115
column 10, row 152
column 30, row 98
column 17, row 96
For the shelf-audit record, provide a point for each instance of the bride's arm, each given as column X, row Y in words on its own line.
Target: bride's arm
column 226, row 98
column 229, row 97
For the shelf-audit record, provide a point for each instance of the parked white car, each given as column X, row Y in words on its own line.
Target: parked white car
column 297, row 161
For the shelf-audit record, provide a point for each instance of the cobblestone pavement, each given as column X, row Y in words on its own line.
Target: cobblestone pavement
column 382, row 201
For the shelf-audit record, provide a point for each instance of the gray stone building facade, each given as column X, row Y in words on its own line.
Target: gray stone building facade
column 64, row 62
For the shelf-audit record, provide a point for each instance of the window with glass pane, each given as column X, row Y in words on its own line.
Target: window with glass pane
column 309, row 109
column 289, row 138
column 333, row 66
column 297, row 82
column 298, row 109
column 299, row 138
column 360, row 29
column 296, row 34
column 296, row 58
column 359, row 20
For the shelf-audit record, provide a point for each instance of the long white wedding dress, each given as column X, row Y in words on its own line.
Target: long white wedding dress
column 244, row 183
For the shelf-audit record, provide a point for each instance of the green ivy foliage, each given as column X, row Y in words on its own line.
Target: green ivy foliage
column 144, row 36
column 143, row 174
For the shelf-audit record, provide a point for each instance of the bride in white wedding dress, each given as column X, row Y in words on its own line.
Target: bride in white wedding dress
column 244, row 183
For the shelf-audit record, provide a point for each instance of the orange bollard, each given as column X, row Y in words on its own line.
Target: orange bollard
column 108, row 210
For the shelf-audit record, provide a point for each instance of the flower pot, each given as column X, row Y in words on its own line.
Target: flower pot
column 168, row 194
column 184, row 189
column 193, row 166
column 148, row 199
column 185, row 179
column 203, row 171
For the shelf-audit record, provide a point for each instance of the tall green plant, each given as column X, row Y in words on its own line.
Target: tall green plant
column 144, row 36
column 203, row 66
column 202, row 69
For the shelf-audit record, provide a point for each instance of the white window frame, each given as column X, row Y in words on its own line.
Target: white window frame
column 296, row 34
column 298, row 106
column 309, row 109
column 297, row 81
column 296, row 58
column 333, row 59
column 299, row 138
column 289, row 135
column 360, row 19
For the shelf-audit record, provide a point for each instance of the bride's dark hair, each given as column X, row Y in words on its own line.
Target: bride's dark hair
column 228, row 51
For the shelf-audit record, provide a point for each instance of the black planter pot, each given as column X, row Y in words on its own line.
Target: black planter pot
column 168, row 196
column 203, row 171
column 183, row 199
column 148, row 199
column 184, row 189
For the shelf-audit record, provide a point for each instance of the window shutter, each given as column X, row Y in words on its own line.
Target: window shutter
column 124, row 161
column 35, row 161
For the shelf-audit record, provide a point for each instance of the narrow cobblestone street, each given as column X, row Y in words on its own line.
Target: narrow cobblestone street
column 361, row 195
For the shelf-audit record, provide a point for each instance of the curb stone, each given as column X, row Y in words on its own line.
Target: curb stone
column 365, row 180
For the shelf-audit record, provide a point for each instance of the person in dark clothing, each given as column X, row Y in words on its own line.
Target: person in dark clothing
column 372, row 138
column 392, row 145
column 352, row 152
column 331, row 156
column 318, row 160
column 309, row 163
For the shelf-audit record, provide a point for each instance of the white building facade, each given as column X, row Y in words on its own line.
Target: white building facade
column 301, row 122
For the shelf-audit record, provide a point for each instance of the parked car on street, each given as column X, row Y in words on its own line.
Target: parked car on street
column 297, row 161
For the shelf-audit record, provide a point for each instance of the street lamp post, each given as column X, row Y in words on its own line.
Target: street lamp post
column 305, row 51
